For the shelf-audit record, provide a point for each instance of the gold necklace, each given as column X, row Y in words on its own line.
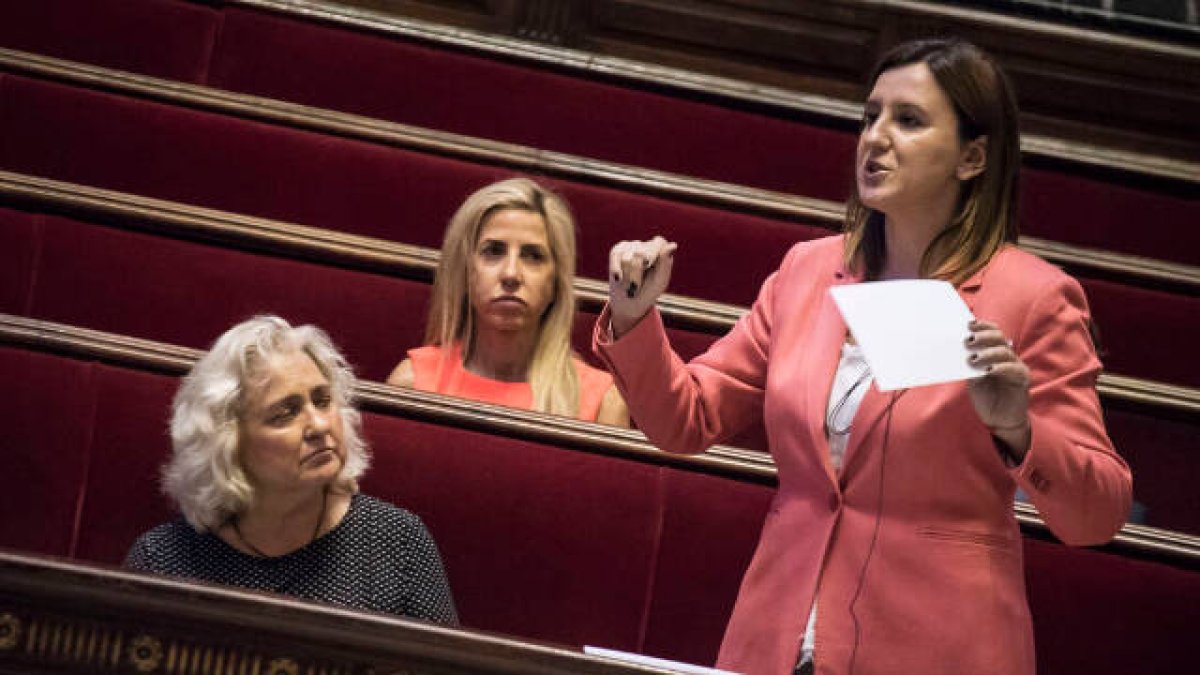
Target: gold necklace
column 316, row 530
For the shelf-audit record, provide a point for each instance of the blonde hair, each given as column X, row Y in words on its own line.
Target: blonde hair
column 986, row 217
column 204, row 476
column 552, row 373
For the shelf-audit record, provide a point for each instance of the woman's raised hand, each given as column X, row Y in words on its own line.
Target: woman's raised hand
column 638, row 272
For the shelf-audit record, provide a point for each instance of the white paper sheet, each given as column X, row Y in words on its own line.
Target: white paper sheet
column 912, row 332
column 673, row 666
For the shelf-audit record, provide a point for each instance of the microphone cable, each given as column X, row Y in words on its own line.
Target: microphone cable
column 862, row 577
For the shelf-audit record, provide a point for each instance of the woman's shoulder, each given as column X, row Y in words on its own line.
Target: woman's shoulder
column 156, row 548
column 431, row 366
column 1019, row 273
column 426, row 354
column 168, row 533
column 1017, row 287
column 1013, row 260
column 379, row 513
column 821, row 256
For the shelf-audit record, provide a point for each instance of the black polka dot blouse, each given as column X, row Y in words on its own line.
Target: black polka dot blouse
column 379, row 558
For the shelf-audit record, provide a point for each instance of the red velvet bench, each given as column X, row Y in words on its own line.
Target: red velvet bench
column 200, row 158
column 542, row 541
column 187, row 293
column 438, row 87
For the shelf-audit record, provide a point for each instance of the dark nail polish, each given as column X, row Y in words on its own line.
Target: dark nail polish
column 616, row 276
column 631, row 291
column 974, row 358
column 989, row 368
column 971, row 339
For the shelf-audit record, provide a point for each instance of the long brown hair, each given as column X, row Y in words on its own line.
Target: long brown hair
column 986, row 217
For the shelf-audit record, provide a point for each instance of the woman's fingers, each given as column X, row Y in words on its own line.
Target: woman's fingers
column 639, row 272
column 632, row 262
column 633, row 267
column 991, row 351
column 658, row 273
column 991, row 357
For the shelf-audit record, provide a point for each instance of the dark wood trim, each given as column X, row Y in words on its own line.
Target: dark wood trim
column 405, row 260
column 58, row 616
column 733, row 463
column 718, row 194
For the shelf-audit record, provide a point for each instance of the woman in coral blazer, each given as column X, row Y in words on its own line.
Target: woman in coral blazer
column 891, row 545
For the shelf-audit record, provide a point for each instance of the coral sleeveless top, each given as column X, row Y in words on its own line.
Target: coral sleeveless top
column 456, row 380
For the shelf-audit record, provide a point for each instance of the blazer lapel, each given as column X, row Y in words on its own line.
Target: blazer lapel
column 826, row 350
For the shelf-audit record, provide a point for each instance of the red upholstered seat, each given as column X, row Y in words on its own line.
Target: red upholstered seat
column 187, row 293
column 476, row 95
column 129, row 445
column 47, row 410
column 1163, row 452
column 539, row 541
column 1115, row 213
column 162, row 38
column 198, row 158
column 1145, row 332
column 710, row 525
column 211, row 160
column 17, row 259
column 1102, row 614
column 437, row 87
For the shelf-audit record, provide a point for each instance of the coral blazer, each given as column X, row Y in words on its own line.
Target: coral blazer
column 912, row 551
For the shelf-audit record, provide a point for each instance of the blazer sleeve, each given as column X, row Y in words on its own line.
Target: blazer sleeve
column 685, row 408
column 1072, row 473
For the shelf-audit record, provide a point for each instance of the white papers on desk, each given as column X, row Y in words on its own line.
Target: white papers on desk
column 672, row 666
column 912, row 332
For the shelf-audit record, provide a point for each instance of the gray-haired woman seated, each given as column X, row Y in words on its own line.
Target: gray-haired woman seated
column 267, row 451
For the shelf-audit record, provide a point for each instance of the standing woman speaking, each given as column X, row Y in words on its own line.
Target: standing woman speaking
column 891, row 545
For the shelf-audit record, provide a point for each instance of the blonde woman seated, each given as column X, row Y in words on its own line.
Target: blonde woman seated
column 503, row 301
column 267, row 450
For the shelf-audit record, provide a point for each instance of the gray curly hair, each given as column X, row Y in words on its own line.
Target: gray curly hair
column 204, row 476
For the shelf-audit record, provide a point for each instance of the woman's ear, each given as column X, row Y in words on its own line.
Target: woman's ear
column 973, row 159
